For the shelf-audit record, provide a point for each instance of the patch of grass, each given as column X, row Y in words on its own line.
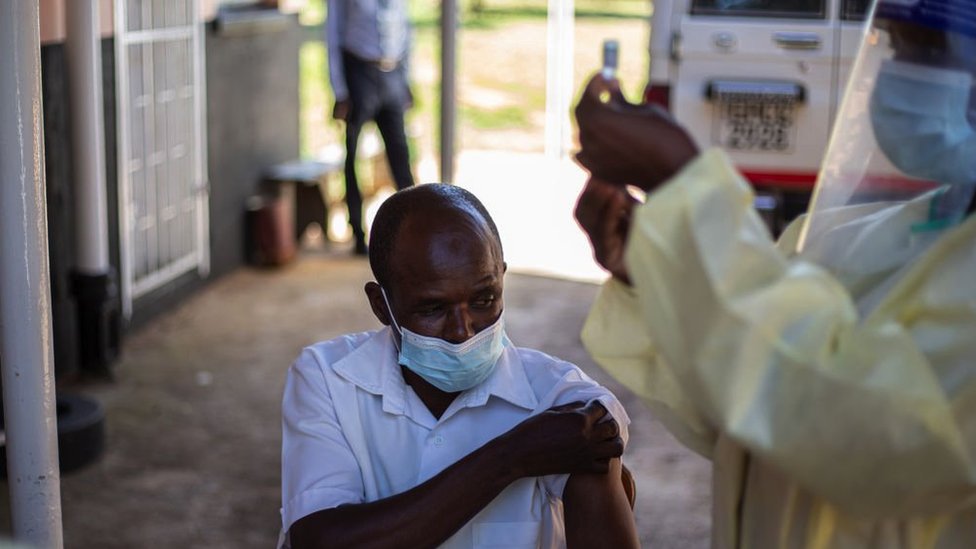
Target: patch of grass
column 315, row 95
column 533, row 97
column 512, row 116
column 490, row 14
column 313, row 12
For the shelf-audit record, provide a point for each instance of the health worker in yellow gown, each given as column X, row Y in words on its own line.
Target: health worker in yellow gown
column 829, row 376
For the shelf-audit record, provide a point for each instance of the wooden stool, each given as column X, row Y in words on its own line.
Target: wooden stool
column 309, row 179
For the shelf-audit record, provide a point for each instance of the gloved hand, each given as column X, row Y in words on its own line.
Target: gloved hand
column 341, row 110
column 627, row 144
column 604, row 211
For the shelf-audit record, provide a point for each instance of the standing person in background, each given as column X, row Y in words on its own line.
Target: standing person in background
column 369, row 46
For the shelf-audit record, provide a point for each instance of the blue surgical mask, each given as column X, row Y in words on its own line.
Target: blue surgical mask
column 920, row 119
column 451, row 367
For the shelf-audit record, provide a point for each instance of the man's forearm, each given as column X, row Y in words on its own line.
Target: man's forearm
column 404, row 520
column 597, row 511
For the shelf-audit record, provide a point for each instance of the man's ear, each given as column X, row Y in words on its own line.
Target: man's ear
column 375, row 296
column 504, row 267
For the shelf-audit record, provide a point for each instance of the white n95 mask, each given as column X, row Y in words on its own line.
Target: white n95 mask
column 920, row 120
column 451, row 367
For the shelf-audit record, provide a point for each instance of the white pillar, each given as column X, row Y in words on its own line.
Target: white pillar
column 559, row 77
column 449, row 22
column 25, row 289
column 87, row 136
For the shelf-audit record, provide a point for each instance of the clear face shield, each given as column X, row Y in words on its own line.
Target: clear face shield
column 901, row 164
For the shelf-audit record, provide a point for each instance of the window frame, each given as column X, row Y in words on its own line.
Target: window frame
column 695, row 9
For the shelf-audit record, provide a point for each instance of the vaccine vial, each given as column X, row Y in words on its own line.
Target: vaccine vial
column 610, row 52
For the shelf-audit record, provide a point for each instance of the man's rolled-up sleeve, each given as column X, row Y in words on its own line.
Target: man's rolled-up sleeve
column 576, row 386
column 318, row 468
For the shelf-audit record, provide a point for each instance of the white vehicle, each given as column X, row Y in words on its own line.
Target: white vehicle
column 761, row 78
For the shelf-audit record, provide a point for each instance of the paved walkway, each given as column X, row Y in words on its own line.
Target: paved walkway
column 193, row 428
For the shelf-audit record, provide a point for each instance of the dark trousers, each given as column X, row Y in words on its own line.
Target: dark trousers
column 381, row 97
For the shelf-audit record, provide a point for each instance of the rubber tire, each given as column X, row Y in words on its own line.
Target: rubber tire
column 81, row 433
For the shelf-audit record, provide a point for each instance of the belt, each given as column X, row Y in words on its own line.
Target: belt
column 386, row 64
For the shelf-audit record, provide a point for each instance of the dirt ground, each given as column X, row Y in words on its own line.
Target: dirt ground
column 193, row 417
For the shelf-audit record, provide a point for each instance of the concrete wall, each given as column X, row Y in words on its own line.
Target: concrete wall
column 57, row 164
column 53, row 14
column 60, row 191
column 252, row 120
column 53, row 24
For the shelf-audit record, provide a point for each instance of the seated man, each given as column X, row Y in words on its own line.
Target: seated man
column 437, row 430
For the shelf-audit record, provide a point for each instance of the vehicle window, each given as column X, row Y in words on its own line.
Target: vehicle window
column 854, row 10
column 807, row 9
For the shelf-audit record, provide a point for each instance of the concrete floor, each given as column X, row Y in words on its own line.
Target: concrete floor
column 193, row 417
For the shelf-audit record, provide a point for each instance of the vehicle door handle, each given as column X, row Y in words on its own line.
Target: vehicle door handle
column 797, row 40
column 724, row 41
column 675, row 47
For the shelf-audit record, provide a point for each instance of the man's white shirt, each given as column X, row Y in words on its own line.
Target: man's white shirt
column 354, row 432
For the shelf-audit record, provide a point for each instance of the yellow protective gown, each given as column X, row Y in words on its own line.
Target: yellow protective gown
column 835, row 417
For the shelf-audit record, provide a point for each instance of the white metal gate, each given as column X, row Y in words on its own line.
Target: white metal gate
column 162, row 168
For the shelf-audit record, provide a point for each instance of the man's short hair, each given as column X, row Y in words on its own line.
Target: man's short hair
column 428, row 198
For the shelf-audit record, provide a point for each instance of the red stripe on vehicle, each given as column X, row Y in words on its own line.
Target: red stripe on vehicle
column 805, row 181
column 794, row 181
